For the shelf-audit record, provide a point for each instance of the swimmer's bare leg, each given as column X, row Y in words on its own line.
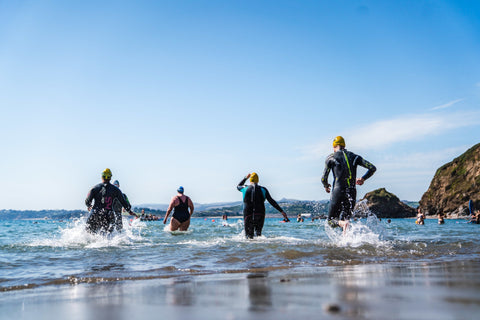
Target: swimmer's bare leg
column 344, row 224
column 184, row 225
column 174, row 224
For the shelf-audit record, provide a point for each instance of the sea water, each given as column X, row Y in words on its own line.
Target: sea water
column 39, row 253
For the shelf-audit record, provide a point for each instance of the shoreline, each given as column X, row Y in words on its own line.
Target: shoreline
column 368, row 291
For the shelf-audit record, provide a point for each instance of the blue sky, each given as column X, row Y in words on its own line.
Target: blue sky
column 199, row 93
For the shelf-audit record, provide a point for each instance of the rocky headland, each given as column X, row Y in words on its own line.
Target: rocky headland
column 387, row 205
column 453, row 185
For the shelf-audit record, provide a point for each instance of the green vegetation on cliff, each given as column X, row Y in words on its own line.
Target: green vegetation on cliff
column 387, row 205
column 454, row 184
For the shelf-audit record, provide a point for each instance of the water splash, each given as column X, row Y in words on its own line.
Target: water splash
column 75, row 235
column 361, row 210
column 317, row 209
column 166, row 228
column 238, row 224
column 364, row 228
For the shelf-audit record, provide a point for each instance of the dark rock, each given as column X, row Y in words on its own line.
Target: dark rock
column 332, row 308
column 453, row 185
column 387, row 205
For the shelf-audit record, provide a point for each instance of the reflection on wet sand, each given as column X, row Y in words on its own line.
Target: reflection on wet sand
column 181, row 292
column 259, row 292
column 449, row 290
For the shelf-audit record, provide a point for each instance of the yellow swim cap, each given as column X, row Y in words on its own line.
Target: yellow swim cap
column 338, row 141
column 107, row 173
column 254, row 177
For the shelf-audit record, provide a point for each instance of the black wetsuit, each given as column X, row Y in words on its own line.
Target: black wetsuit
column 117, row 208
column 180, row 212
column 254, row 197
column 344, row 164
column 102, row 216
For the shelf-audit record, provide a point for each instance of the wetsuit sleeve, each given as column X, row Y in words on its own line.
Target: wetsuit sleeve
column 371, row 168
column 89, row 199
column 125, row 203
column 271, row 201
column 126, row 199
column 241, row 184
column 326, row 172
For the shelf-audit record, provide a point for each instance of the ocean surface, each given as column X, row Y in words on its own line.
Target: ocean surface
column 42, row 253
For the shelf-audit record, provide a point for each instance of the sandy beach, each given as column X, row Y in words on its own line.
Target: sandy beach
column 448, row 290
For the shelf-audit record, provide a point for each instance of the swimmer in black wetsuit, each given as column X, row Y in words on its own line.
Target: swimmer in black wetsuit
column 183, row 210
column 254, row 197
column 117, row 208
column 102, row 216
column 343, row 164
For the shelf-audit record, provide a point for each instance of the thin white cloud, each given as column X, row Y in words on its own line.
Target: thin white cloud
column 410, row 128
column 419, row 161
column 408, row 175
column 388, row 132
column 447, row 105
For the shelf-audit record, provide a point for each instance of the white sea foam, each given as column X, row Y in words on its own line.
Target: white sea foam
column 166, row 228
column 75, row 234
column 237, row 224
column 240, row 238
column 368, row 230
column 204, row 243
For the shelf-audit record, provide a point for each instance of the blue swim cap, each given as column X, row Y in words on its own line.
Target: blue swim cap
column 116, row 183
column 180, row 189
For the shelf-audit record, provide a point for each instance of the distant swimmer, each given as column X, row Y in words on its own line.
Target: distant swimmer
column 254, row 197
column 476, row 217
column 420, row 217
column 102, row 216
column 117, row 208
column 441, row 220
column 474, row 214
column 343, row 164
column 182, row 207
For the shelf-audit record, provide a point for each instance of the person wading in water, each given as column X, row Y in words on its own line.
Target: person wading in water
column 102, row 216
column 182, row 207
column 254, row 197
column 343, row 164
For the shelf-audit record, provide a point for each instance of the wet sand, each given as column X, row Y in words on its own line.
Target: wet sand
column 449, row 290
